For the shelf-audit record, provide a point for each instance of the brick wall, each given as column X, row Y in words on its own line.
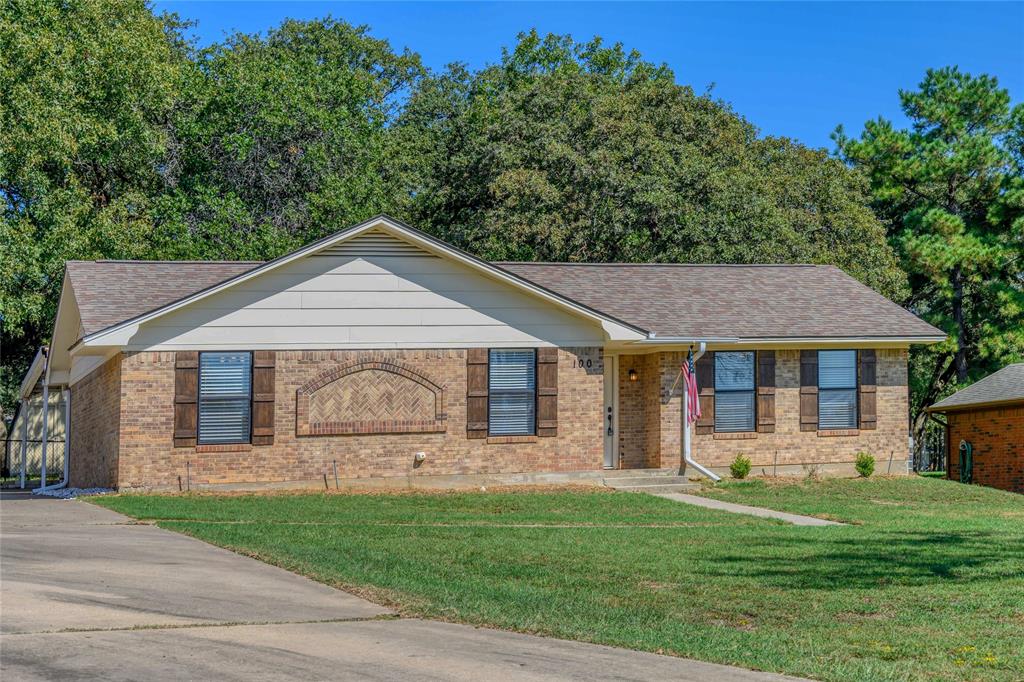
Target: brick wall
column 639, row 412
column 809, row 448
column 148, row 457
column 95, row 421
column 649, row 424
column 997, row 436
column 796, row 451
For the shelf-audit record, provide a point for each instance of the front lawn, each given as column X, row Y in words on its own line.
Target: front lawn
column 927, row 584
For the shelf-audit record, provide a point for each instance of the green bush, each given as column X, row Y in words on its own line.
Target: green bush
column 740, row 467
column 865, row 464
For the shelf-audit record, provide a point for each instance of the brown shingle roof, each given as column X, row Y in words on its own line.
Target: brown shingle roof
column 109, row 292
column 745, row 301
column 1004, row 386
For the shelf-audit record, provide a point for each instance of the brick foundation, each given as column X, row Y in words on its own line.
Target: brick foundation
column 148, row 458
column 997, row 437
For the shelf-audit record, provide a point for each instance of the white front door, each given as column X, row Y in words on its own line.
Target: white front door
column 611, row 412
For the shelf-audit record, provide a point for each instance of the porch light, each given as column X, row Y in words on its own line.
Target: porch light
column 633, row 375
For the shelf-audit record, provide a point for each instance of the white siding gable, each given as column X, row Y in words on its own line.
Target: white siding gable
column 371, row 291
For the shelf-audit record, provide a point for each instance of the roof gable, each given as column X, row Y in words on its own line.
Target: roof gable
column 371, row 291
column 382, row 233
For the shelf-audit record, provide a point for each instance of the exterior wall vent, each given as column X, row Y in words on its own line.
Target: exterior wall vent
column 375, row 244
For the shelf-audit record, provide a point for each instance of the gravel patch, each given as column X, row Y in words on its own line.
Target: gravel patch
column 71, row 493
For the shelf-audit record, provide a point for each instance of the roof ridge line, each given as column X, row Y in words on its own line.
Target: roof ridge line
column 170, row 262
column 670, row 265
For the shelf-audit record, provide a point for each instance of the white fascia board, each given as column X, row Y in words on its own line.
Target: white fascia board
column 67, row 324
column 116, row 336
column 620, row 332
column 616, row 329
column 655, row 344
column 686, row 340
column 35, row 370
column 822, row 341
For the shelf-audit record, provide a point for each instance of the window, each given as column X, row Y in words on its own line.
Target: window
column 512, row 392
column 734, row 391
column 837, row 389
column 225, row 391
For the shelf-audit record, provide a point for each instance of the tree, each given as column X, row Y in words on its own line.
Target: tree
column 86, row 90
column 119, row 139
column 584, row 152
column 282, row 139
column 951, row 192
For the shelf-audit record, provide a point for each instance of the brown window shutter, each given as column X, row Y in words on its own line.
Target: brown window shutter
column 186, row 398
column 705, row 366
column 547, row 392
column 476, row 393
column 808, row 390
column 263, row 369
column 766, row 391
column 866, row 388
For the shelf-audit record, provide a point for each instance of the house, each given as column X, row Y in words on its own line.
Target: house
column 391, row 355
column 985, row 430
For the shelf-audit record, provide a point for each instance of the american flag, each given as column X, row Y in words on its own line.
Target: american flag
column 690, row 386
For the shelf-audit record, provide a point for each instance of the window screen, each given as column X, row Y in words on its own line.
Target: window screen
column 837, row 389
column 734, row 391
column 512, row 392
column 225, row 385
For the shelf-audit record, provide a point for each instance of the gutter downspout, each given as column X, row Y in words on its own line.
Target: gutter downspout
column 687, row 447
column 46, row 434
column 67, row 435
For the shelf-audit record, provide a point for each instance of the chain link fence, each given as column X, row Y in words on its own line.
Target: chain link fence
column 27, row 428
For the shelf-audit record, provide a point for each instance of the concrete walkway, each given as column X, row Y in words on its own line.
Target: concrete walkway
column 710, row 503
column 88, row 594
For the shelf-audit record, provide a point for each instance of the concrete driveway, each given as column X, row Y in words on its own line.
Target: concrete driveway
column 88, row 594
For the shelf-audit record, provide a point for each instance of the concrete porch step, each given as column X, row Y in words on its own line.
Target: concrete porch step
column 649, row 481
column 655, row 489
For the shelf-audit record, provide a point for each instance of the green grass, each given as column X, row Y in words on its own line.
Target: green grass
column 927, row 584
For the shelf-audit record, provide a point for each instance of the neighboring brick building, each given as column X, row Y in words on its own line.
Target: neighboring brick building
column 389, row 357
column 988, row 417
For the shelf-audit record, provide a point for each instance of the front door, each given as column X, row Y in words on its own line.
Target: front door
column 611, row 411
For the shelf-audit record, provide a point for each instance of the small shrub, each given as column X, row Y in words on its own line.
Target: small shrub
column 740, row 467
column 865, row 464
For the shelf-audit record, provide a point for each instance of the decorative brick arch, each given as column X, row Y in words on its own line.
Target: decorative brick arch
column 369, row 397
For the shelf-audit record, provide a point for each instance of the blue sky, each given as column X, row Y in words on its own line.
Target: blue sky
column 795, row 69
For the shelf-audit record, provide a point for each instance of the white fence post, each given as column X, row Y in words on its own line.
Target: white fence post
column 26, row 405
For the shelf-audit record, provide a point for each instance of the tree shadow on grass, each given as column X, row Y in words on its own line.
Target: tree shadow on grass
column 903, row 558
